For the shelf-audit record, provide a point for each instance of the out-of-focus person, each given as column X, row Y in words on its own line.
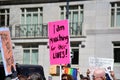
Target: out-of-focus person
column 99, row 74
column 67, row 77
column 35, row 76
column 22, row 77
column 113, row 75
column 82, row 77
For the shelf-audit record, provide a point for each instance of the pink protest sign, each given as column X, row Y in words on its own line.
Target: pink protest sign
column 59, row 43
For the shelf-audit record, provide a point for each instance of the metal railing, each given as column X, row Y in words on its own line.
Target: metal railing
column 29, row 31
column 40, row 30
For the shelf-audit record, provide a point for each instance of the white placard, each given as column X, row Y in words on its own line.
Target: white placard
column 106, row 63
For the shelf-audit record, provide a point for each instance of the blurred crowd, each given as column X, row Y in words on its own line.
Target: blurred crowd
column 33, row 76
column 96, row 74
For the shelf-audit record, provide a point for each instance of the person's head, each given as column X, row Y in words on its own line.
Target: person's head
column 99, row 74
column 67, row 77
column 85, row 78
column 21, row 77
column 35, row 76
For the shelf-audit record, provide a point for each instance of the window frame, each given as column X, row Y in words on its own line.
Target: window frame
column 30, row 49
column 24, row 11
column 27, row 29
column 116, row 47
column 74, row 47
column 114, row 11
column 75, row 26
column 78, row 9
column 0, row 56
column 6, row 15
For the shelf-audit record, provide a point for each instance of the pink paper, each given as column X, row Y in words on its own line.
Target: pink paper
column 59, row 42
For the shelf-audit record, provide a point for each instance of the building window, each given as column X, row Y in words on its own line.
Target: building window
column 4, row 17
column 117, row 52
column 75, row 53
column 0, row 56
column 115, row 14
column 30, row 55
column 75, row 18
column 31, row 21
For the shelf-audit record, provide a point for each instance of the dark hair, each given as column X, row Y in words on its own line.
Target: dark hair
column 83, row 77
column 22, row 77
column 69, row 77
column 86, row 78
column 35, row 76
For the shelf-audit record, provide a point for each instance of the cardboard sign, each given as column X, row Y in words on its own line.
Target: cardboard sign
column 106, row 63
column 54, row 70
column 6, row 50
column 59, row 44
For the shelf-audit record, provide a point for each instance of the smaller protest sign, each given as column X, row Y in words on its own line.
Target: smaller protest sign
column 106, row 63
column 6, row 50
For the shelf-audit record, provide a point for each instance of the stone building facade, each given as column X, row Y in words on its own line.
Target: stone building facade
column 94, row 30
